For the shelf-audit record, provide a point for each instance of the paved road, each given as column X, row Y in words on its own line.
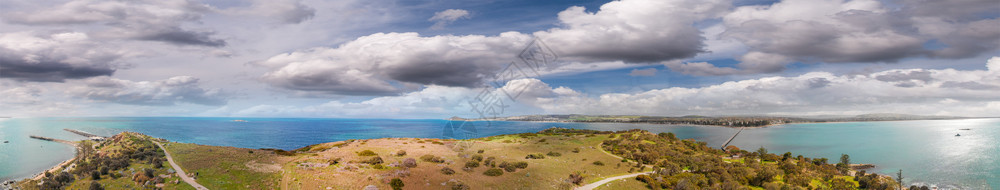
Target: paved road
column 180, row 171
column 602, row 182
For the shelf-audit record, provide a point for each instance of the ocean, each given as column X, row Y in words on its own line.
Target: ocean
column 928, row 151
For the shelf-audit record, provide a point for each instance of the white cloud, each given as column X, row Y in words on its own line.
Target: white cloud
column 635, row 31
column 926, row 91
column 443, row 18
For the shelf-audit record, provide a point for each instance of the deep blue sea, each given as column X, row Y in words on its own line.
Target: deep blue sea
column 928, row 152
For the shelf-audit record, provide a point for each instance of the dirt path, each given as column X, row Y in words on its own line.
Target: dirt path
column 180, row 172
column 602, row 182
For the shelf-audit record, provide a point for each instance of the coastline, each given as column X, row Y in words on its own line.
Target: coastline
column 61, row 165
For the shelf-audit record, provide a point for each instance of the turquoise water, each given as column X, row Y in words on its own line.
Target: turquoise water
column 927, row 151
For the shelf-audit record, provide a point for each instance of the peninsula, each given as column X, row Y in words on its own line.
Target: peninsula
column 555, row 158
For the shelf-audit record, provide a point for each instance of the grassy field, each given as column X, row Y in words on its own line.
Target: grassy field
column 309, row 170
column 228, row 167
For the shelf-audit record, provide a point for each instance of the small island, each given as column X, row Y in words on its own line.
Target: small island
column 555, row 158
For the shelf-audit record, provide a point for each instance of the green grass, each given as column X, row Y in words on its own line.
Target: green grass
column 225, row 167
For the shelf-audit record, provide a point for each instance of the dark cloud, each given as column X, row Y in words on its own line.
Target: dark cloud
column 818, row 83
column 180, row 89
column 178, row 36
column 54, row 58
column 152, row 20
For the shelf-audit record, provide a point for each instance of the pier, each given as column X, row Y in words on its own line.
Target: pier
column 53, row 140
column 731, row 138
column 85, row 134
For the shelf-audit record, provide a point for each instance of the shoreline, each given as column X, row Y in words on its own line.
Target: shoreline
column 61, row 165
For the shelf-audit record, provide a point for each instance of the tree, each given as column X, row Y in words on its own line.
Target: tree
column 762, row 151
column 396, row 183
column 95, row 175
column 899, row 178
column 845, row 159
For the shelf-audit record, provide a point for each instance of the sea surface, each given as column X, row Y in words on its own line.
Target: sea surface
column 928, row 151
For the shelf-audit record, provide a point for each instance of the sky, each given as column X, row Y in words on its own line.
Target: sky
column 491, row 58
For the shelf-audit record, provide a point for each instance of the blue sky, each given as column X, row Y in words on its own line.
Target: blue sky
column 429, row 59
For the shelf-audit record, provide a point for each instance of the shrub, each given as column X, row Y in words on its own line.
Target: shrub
column 471, row 164
column 396, row 183
column 373, row 161
column 378, row 166
column 96, row 186
column 437, row 142
column 535, row 156
column 493, row 172
column 599, row 163
column 96, row 175
column 507, row 167
column 477, row 158
column 432, row 158
column 507, row 141
column 490, row 161
column 410, row 162
column 521, row 164
column 480, row 151
column 541, row 141
column 367, row 153
column 575, row 178
column 552, row 153
column 447, row 171
column 576, row 150
column 401, row 153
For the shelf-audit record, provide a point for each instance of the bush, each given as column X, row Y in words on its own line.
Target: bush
column 507, row 167
column 490, row 161
column 480, row 151
column 95, row 175
column 367, row 153
column 432, row 158
column 493, row 172
column 576, row 150
column 521, row 165
column 535, row 156
column 410, row 162
column 401, row 153
column 396, row 183
column 477, row 158
column 471, row 164
column 554, row 154
column 447, row 171
column 599, row 163
column 378, row 166
column 96, row 186
column 541, row 141
column 373, row 161
column 575, row 178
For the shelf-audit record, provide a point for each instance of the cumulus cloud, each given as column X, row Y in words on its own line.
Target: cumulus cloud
column 383, row 63
column 934, row 92
column 447, row 17
column 852, row 31
column 152, row 20
column 635, row 31
column 432, row 101
column 631, row 31
column 54, row 57
column 179, row 89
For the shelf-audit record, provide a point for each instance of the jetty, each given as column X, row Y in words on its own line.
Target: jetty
column 85, row 134
column 53, row 140
column 731, row 138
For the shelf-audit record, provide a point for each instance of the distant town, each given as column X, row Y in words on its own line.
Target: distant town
column 725, row 121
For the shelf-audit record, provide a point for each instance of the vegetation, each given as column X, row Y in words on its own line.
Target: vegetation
column 396, row 184
column 687, row 164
